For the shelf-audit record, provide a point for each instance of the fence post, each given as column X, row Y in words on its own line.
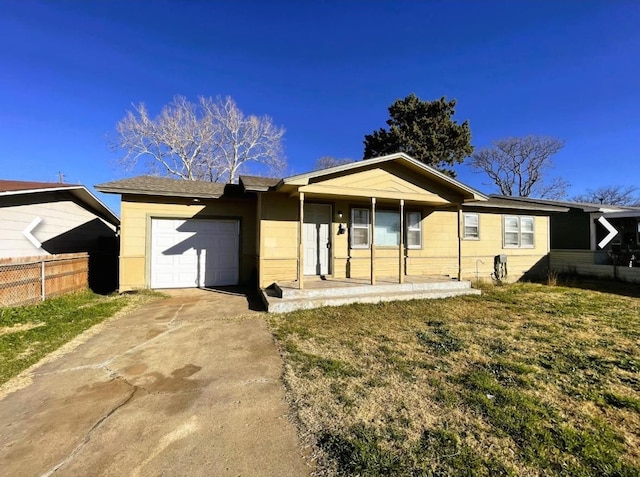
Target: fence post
column 42, row 280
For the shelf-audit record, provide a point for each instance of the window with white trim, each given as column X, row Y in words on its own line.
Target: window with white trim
column 414, row 230
column 359, row 228
column 387, row 231
column 518, row 231
column 471, row 226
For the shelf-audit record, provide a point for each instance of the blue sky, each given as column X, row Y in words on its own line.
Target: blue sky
column 326, row 71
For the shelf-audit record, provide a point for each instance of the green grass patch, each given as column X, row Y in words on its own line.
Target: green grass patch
column 28, row 333
column 526, row 379
column 330, row 367
column 438, row 339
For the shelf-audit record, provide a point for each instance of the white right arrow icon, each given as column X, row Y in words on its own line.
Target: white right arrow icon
column 612, row 232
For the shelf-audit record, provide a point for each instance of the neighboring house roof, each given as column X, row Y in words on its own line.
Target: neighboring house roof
column 79, row 192
column 164, row 186
column 504, row 202
column 16, row 186
column 583, row 206
column 303, row 179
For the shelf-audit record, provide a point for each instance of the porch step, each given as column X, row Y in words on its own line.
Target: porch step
column 351, row 289
column 276, row 304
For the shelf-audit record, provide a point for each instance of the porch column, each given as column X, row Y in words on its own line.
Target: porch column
column 301, row 244
column 401, row 246
column 460, row 242
column 373, row 240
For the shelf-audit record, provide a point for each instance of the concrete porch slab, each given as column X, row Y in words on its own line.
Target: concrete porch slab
column 327, row 291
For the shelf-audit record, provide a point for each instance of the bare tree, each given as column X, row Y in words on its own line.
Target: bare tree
column 610, row 195
column 211, row 140
column 520, row 166
column 325, row 162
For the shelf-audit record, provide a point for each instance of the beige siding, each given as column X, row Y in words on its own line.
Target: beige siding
column 387, row 181
column 135, row 231
column 279, row 231
column 478, row 255
column 438, row 255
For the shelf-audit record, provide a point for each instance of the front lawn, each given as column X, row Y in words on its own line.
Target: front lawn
column 524, row 380
column 28, row 333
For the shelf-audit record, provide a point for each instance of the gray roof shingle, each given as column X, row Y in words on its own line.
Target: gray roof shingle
column 152, row 185
column 256, row 183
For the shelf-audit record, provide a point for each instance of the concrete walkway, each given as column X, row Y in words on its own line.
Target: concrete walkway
column 180, row 386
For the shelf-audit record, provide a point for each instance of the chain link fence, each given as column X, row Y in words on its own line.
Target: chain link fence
column 32, row 279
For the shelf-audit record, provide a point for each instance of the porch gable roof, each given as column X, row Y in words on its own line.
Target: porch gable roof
column 363, row 179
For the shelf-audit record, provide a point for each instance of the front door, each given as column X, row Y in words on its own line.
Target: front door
column 317, row 239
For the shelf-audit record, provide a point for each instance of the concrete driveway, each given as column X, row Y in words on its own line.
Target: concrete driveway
column 189, row 385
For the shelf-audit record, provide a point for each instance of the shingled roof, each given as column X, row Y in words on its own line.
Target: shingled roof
column 584, row 206
column 13, row 186
column 258, row 184
column 152, row 185
column 504, row 202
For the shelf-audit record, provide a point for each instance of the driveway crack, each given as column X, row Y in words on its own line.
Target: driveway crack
column 113, row 374
column 89, row 433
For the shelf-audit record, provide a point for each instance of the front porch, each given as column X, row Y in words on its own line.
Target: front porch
column 322, row 291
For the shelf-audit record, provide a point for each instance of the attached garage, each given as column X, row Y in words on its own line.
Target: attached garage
column 189, row 253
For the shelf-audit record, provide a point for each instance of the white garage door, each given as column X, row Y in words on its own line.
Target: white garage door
column 194, row 253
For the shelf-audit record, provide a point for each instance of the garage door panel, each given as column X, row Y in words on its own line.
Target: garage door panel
column 229, row 228
column 194, row 252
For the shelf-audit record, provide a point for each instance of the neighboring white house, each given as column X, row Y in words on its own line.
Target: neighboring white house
column 42, row 218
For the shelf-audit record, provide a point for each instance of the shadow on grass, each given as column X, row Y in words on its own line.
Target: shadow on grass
column 604, row 285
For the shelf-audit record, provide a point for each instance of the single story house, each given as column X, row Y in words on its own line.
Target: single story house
column 384, row 218
column 45, row 218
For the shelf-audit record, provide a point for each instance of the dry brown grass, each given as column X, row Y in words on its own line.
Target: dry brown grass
column 524, row 380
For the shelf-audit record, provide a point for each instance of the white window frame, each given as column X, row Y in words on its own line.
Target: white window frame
column 464, row 226
column 518, row 231
column 366, row 226
column 413, row 229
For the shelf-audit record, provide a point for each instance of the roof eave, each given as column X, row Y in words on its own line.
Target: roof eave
column 130, row 191
column 491, row 205
column 81, row 193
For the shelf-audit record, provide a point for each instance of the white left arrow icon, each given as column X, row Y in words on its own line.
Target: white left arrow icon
column 27, row 232
column 612, row 232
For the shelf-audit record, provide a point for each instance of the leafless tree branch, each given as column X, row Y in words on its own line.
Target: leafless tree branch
column 520, row 166
column 211, row 140
column 326, row 162
column 610, row 195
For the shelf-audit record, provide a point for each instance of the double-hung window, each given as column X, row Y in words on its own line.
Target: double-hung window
column 471, row 226
column 360, row 228
column 518, row 231
column 414, row 230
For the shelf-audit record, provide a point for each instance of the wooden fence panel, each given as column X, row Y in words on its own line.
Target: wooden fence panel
column 21, row 278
